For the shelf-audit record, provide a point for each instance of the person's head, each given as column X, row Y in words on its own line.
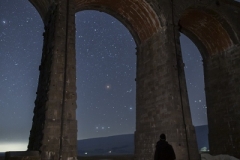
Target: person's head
column 162, row 136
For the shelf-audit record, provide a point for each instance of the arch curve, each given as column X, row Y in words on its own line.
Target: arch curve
column 209, row 30
column 138, row 16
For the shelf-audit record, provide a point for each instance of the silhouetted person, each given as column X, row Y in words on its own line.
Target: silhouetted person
column 164, row 151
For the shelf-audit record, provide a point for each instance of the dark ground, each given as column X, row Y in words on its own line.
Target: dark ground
column 96, row 158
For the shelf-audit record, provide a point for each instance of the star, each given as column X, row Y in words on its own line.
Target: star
column 108, row 86
column 129, row 91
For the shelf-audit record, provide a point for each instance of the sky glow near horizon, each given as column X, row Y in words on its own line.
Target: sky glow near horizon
column 4, row 147
column 106, row 74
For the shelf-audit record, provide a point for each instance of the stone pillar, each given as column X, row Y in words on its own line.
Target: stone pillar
column 54, row 128
column 162, row 101
column 222, row 85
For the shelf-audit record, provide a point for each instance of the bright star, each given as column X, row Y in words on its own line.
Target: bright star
column 108, row 86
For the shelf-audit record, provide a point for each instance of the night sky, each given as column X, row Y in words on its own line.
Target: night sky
column 106, row 71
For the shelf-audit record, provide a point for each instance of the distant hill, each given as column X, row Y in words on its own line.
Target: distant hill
column 114, row 145
column 124, row 144
column 202, row 136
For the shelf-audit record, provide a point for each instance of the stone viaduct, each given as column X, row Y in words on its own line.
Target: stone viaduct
column 161, row 94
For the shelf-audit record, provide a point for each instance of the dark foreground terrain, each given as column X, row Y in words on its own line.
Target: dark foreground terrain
column 97, row 158
column 117, row 147
column 129, row 157
column 124, row 144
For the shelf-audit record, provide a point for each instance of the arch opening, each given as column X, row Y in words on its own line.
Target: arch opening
column 132, row 15
column 215, row 39
column 193, row 68
column 106, row 70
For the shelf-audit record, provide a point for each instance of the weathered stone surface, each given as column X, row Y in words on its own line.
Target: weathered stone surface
column 162, row 101
column 54, row 129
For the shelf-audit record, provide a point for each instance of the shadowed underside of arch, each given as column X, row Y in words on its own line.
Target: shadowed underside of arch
column 41, row 6
column 138, row 16
column 214, row 33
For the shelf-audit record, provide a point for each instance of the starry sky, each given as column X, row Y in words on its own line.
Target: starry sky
column 106, row 71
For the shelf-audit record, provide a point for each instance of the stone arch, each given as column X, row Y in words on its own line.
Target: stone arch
column 218, row 42
column 41, row 7
column 108, row 86
column 208, row 30
column 139, row 18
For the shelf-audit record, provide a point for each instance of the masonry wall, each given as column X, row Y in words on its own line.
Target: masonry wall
column 36, row 133
column 222, row 79
column 159, row 105
column 54, row 130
